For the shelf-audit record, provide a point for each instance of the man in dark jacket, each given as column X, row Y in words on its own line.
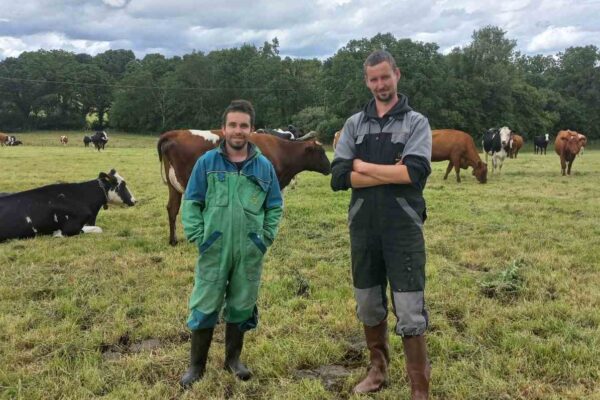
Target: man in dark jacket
column 384, row 156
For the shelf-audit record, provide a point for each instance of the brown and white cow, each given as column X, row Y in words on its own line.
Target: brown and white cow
column 567, row 145
column 64, row 140
column 459, row 148
column 583, row 139
column 178, row 151
column 336, row 138
column 514, row 145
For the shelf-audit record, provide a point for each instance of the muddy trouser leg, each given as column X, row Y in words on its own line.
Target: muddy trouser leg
column 406, row 273
column 368, row 274
column 241, row 312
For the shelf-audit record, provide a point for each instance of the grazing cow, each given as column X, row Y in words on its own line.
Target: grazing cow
column 100, row 138
column 63, row 209
column 540, row 143
column 336, row 138
column 3, row 138
column 494, row 143
column 179, row 150
column 514, row 144
column 459, row 148
column 567, row 145
column 86, row 141
column 64, row 140
column 583, row 140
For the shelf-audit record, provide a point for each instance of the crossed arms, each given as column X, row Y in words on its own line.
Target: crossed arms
column 366, row 174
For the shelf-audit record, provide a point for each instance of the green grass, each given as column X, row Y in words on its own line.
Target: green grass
column 513, row 276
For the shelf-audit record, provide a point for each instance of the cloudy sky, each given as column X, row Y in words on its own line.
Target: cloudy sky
column 305, row 28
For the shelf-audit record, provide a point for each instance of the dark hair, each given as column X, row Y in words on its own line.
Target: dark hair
column 377, row 57
column 243, row 106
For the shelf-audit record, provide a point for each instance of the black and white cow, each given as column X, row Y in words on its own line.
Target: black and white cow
column 13, row 141
column 63, row 209
column 495, row 141
column 100, row 138
column 540, row 143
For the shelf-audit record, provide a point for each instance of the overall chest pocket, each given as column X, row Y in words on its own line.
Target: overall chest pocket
column 398, row 142
column 218, row 190
column 252, row 195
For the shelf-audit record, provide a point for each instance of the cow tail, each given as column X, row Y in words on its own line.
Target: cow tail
column 160, row 159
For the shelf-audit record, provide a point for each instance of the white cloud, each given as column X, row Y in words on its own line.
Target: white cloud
column 116, row 3
column 556, row 38
column 12, row 47
column 309, row 28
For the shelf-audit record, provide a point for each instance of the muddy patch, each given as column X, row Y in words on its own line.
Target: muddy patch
column 332, row 376
column 124, row 345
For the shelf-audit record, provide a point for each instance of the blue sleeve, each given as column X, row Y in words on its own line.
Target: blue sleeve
column 197, row 184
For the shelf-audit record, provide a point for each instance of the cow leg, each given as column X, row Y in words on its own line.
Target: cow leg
column 569, row 166
column 91, row 229
column 173, row 209
column 448, row 170
column 456, row 162
column 563, row 166
column 72, row 226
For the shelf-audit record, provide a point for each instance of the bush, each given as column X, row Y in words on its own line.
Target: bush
column 318, row 119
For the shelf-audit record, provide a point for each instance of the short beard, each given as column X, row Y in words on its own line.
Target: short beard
column 237, row 147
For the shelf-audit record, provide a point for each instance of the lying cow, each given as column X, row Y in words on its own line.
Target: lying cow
column 64, row 140
column 567, row 145
column 63, row 209
column 459, row 148
column 495, row 142
column 540, row 143
column 179, row 150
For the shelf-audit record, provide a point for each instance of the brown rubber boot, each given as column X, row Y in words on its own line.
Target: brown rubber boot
column 417, row 366
column 377, row 343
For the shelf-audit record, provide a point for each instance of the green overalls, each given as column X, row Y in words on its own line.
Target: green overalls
column 233, row 217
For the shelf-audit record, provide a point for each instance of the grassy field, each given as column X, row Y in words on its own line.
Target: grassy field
column 513, row 289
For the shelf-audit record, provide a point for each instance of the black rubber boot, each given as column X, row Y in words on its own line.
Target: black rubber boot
column 234, row 341
column 201, row 339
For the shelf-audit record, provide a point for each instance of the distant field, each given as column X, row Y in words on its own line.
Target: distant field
column 513, row 289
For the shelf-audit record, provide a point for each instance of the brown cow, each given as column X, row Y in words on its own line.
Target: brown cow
column 514, row 145
column 64, row 140
column 567, row 145
column 178, row 151
column 336, row 138
column 3, row 139
column 459, row 148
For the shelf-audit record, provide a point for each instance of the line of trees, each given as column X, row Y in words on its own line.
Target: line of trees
column 487, row 83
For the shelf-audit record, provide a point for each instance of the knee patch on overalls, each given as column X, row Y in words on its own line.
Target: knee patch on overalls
column 371, row 305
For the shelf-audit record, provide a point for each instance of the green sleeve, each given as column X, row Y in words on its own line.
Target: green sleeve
column 193, row 220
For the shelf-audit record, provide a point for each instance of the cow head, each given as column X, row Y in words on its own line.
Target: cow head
column 117, row 192
column 480, row 171
column 505, row 136
column 315, row 157
column 573, row 143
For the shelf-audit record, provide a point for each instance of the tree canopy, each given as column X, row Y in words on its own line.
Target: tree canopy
column 484, row 84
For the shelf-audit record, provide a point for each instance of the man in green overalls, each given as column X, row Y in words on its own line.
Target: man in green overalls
column 231, row 210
